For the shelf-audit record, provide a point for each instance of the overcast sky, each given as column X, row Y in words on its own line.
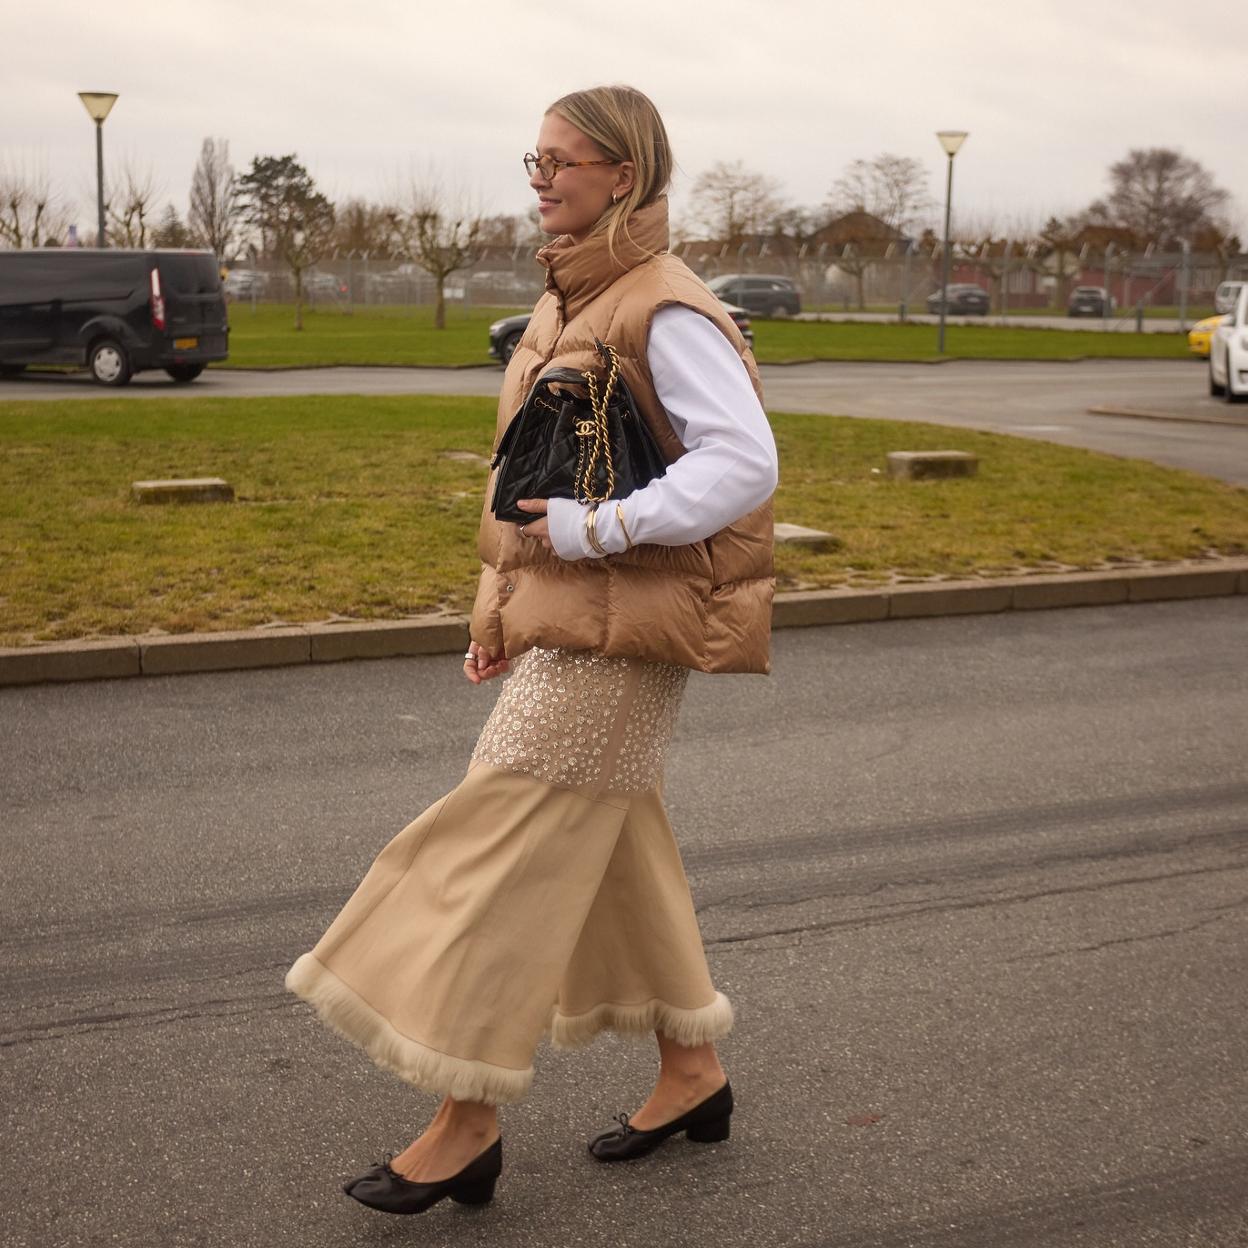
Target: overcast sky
column 1051, row 91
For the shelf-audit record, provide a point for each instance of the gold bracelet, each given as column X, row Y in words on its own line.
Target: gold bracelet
column 619, row 515
column 591, row 530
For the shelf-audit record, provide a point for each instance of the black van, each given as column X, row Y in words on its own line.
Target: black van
column 116, row 311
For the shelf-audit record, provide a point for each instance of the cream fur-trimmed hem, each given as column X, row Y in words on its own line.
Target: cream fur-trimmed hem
column 688, row 1027
column 347, row 1013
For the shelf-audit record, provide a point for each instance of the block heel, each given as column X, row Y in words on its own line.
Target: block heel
column 381, row 1188
column 710, row 1132
column 479, row 1193
column 705, row 1123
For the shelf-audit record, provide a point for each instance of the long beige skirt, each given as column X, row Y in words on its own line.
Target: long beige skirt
column 544, row 895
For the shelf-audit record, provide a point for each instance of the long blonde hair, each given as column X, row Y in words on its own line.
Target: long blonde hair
column 626, row 125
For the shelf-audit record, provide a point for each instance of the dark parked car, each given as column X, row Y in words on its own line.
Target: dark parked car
column 965, row 299
column 505, row 334
column 115, row 311
column 1090, row 301
column 764, row 294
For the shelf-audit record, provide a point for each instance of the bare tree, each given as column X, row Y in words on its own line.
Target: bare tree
column 1160, row 195
column 216, row 206
column 730, row 201
column 31, row 214
column 442, row 232
column 797, row 223
column 130, row 204
column 892, row 188
column 363, row 228
column 282, row 202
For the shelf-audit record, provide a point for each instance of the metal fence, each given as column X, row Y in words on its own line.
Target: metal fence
column 1017, row 278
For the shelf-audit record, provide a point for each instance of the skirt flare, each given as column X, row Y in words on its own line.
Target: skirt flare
column 543, row 896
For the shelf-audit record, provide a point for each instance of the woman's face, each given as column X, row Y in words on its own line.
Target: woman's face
column 573, row 200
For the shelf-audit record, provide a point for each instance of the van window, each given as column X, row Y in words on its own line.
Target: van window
column 43, row 276
column 189, row 275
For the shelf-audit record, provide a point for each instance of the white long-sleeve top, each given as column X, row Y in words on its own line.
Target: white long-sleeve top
column 730, row 466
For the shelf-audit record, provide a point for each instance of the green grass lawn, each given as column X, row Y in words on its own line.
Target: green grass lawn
column 346, row 507
column 266, row 338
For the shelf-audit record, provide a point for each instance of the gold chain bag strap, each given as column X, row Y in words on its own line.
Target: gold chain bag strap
column 593, row 436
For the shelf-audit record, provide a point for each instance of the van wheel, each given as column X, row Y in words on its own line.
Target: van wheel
column 109, row 363
column 11, row 370
column 184, row 372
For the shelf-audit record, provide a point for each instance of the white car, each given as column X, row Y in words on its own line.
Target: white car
column 1225, row 295
column 1228, row 353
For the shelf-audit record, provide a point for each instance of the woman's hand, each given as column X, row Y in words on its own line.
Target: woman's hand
column 480, row 664
column 537, row 529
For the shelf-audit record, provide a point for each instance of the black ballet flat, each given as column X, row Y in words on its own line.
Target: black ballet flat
column 705, row 1123
column 381, row 1188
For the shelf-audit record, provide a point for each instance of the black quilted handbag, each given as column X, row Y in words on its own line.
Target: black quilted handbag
column 575, row 437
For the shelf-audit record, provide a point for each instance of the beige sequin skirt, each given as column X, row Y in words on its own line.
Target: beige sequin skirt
column 544, row 895
column 583, row 720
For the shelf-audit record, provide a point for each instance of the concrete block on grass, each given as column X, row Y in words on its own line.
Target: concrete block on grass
column 808, row 539
column 188, row 490
column 925, row 465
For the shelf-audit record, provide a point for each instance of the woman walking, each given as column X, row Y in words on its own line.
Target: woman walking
column 545, row 893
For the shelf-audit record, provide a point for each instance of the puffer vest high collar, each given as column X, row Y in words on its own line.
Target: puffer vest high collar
column 577, row 273
column 706, row 605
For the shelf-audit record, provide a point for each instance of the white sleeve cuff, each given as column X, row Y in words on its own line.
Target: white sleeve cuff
column 566, row 520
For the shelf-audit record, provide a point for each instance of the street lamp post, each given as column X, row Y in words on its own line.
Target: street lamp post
column 950, row 140
column 98, row 104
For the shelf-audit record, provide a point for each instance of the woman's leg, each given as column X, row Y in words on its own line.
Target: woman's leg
column 639, row 967
column 687, row 1075
column 460, row 1131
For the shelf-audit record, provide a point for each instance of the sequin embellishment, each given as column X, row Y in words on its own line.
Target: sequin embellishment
column 576, row 718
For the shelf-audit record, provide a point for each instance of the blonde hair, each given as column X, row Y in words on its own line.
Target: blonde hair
column 627, row 126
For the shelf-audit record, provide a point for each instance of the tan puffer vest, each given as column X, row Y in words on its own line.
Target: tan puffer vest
column 705, row 606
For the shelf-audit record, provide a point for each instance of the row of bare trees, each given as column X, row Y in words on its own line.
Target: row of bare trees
column 1158, row 195
column 275, row 210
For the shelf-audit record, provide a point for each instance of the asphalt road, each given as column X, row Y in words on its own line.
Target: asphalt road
column 975, row 885
column 1049, row 401
column 1122, row 322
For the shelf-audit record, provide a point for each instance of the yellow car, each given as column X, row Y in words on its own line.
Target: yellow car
column 1198, row 337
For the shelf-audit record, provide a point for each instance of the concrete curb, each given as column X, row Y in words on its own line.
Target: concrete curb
column 112, row 657
column 1142, row 413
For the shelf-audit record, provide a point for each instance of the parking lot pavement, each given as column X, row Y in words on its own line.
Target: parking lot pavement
column 1119, row 324
column 975, row 887
column 1048, row 401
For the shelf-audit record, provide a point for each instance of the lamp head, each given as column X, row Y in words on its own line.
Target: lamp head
column 951, row 140
column 97, row 103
